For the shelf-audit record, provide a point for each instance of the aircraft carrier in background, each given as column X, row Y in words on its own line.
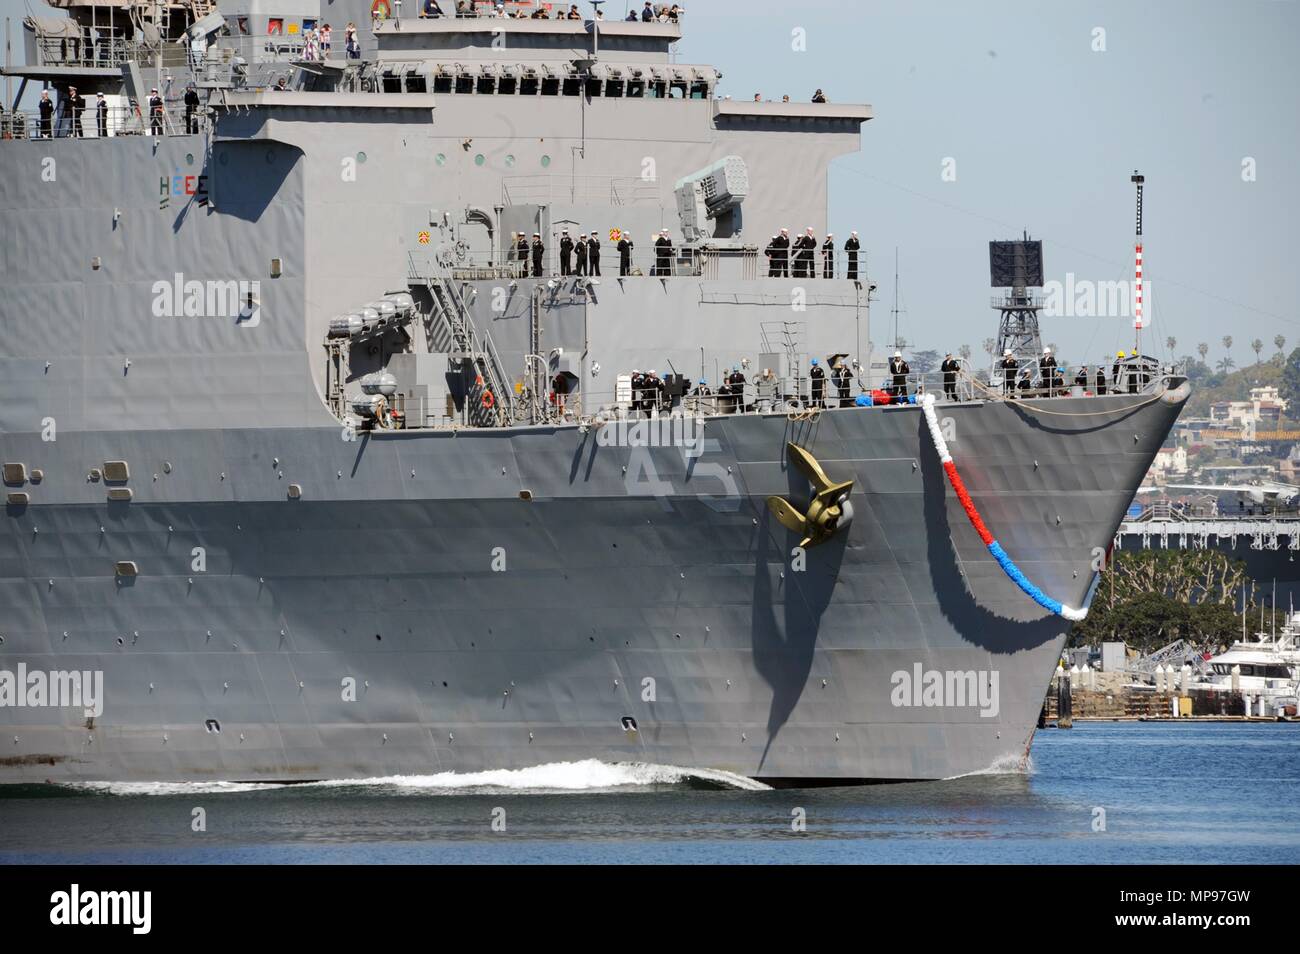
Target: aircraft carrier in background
column 301, row 460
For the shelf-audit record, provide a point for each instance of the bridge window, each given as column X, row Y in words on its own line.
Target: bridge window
column 657, row 89
column 442, row 84
column 677, row 90
column 528, row 86
column 392, row 83
column 636, row 88
column 464, row 83
column 700, row 90
column 593, row 88
column 486, row 84
column 507, row 86
column 416, row 83
column 572, row 87
column 551, row 86
column 614, row 88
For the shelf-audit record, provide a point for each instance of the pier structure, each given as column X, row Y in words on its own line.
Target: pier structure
column 1254, row 533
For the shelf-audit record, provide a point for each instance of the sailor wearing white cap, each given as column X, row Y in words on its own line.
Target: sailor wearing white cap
column 1008, row 367
column 625, row 253
column 155, row 113
column 851, row 255
column 899, row 369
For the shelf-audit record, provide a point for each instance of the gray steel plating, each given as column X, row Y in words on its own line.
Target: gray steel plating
column 272, row 596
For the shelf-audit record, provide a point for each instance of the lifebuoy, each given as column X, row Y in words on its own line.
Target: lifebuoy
column 488, row 399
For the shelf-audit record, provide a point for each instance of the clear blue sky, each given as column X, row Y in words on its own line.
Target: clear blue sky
column 1045, row 132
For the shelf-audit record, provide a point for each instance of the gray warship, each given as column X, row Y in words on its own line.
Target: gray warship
column 310, row 476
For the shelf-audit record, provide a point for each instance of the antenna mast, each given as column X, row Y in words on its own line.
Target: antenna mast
column 1137, row 179
column 897, row 344
column 1016, row 266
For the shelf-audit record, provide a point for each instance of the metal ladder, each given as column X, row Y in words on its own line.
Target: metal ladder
column 486, row 372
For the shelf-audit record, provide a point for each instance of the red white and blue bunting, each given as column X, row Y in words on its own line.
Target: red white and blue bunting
column 1008, row 567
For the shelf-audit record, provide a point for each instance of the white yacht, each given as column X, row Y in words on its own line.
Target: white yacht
column 1266, row 670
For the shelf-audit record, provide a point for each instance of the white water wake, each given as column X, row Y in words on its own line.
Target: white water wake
column 1004, row 765
column 582, row 776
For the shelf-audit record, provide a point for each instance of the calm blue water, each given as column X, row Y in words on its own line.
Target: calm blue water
column 1171, row 794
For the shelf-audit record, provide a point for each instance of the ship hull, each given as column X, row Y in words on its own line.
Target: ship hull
column 497, row 599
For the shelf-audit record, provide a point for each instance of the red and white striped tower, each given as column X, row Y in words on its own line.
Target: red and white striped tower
column 1137, row 179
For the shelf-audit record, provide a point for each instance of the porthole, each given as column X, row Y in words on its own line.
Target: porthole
column 479, row 159
column 440, row 159
column 189, row 158
column 212, row 725
column 361, row 157
column 629, row 724
column 546, row 161
column 510, row 161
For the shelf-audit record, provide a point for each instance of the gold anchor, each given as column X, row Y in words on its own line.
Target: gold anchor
column 827, row 507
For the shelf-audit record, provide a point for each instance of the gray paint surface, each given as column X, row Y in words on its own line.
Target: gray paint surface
column 624, row 565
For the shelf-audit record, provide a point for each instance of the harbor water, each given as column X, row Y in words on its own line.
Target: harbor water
column 1099, row 793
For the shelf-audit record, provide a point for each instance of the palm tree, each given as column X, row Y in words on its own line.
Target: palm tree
column 990, row 346
column 964, row 351
column 1280, row 343
column 1257, row 346
column 1202, row 349
column 1226, row 364
column 1171, row 343
column 1227, row 342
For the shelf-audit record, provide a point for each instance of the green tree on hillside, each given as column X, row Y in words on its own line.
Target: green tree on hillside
column 1280, row 342
column 1151, row 597
column 1202, row 349
column 1257, row 346
column 1227, row 344
column 1290, row 386
column 923, row 361
column 1225, row 365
